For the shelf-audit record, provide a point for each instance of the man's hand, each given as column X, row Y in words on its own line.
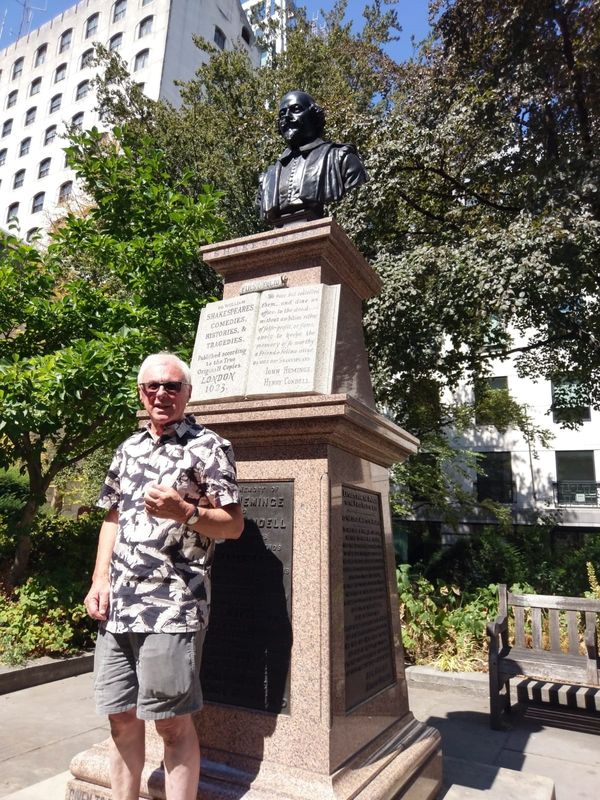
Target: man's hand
column 96, row 600
column 165, row 502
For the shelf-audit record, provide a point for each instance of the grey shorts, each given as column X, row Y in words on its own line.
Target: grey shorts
column 156, row 673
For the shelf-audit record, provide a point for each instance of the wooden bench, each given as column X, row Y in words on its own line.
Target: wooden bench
column 545, row 646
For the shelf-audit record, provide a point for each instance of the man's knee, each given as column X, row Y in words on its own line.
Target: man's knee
column 124, row 724
column 173, row 729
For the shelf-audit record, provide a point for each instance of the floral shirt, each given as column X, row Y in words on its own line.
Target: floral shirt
column 160, row 569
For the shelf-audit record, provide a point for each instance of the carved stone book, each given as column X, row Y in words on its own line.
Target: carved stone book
column 277, row 342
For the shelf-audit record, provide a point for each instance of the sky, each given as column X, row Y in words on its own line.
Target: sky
column 19, row 16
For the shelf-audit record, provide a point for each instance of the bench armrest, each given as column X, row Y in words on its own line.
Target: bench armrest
column 497, row 627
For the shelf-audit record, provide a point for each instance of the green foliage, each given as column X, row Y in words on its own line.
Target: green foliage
column 45, row 615
column 35, row 624
column 119, row 281
column 441, row 624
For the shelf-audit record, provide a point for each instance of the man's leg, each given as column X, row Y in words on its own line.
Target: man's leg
column 182, row 757
column 127, row 752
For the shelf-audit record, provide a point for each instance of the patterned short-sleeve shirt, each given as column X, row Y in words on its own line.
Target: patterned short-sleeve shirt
column 160, row 569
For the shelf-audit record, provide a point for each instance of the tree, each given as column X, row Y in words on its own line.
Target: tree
column 481, row 214
column 79, row 315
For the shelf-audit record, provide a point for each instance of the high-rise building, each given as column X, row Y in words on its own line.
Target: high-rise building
column 45, row 85
column 279, row 12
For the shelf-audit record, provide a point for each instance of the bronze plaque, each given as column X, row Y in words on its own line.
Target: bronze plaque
column 247, row 650
column 368, row 638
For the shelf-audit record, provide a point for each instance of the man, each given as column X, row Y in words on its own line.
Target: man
column 310, row 172
column 170, row 492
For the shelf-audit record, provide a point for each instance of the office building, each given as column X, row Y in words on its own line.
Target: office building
column 45, row 84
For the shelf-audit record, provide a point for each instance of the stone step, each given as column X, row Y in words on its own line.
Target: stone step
column 468, row 779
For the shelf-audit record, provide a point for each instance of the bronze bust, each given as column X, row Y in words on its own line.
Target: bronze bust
column 311, row 172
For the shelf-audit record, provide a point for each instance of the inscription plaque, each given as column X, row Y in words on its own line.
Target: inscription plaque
column 368, row 638
column 273, row 342
column 248, row 645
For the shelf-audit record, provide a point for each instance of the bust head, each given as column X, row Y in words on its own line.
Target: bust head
column 300, row 119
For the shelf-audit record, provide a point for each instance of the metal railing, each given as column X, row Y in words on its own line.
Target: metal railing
column 576, row 493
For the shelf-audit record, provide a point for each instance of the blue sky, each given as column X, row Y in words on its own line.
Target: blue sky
column 412, row 14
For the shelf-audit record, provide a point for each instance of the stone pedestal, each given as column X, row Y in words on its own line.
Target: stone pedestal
column 314, row 470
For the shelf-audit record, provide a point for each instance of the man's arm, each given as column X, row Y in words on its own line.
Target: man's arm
column 96, row 600
column 215, row 523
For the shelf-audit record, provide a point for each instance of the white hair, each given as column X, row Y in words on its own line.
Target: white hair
column 160, row 358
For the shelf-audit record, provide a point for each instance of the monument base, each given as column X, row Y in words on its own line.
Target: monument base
column 404, row 762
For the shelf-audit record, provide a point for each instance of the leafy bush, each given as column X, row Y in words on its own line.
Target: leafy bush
column 45, row 616
column 537, row 555
column 441, row 624
column 33, row 623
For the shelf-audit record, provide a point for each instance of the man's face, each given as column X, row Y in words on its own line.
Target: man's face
column 297, row 119
column 164, row 405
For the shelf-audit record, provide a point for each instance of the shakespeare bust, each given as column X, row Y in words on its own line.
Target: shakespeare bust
column 311, row 172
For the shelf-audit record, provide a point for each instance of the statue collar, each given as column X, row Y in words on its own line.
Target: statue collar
column 304, row 148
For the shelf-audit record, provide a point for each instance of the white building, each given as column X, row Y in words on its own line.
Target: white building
column 280, row 12
column 45, row 83
column 531, row 478
column 527, row 477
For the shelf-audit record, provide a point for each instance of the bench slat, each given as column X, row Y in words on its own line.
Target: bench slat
column 554, row 601
column 519, row 627
column 536, row 627
column 572, row 629
column 554, row 629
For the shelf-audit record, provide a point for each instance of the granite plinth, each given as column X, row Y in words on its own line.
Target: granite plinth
column 306, row 254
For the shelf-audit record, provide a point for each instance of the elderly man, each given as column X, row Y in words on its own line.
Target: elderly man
column 169, row 493
column 310, row 172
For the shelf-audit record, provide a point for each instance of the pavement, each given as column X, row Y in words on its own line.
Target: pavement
column 44, row 726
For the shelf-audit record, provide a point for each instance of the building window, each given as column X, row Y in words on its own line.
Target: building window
column 50, row 134
column 17, row 68
column 19, row 179
column 32, row 234
column 219, row 38
column 65, row 40
column 11, row 100
column 576, row 478
column 7, row 127
column 13, row 212
column 44, row 168
column 484, row 412
column 568, row 404
column 115, row 42
column 82, row 89
column 495, row 481
column 91, row 25
column 60, row 73
column 145, row 27
column 77, row 120
column 146, row 2
column 37, row 204
column 65, row 191
column 30, row 115
column 246, row 34
column 87, row 58
column 2, row 157
column 55, row 103
column 119, row 9
column 141, row 60
column 40, row 55
column 24, row 146
column 35, row 87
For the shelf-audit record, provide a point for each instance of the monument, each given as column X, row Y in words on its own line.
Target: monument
column 303, row 669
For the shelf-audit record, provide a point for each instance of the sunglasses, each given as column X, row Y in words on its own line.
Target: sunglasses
column 171, row 387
